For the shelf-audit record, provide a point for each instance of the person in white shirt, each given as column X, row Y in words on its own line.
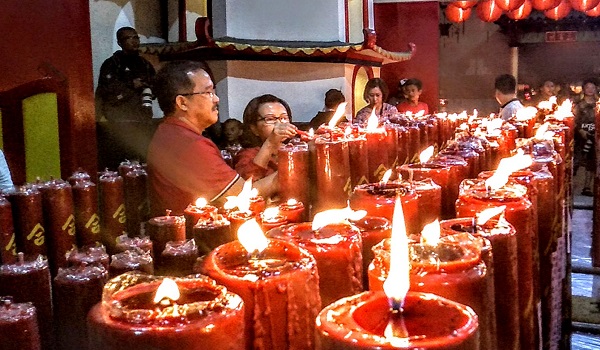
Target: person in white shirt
column 506, row 95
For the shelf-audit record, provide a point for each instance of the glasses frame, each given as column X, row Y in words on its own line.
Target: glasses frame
column 210, row 94
column 277, row 119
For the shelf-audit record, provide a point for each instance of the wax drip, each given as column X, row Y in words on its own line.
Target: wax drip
column 6, row 301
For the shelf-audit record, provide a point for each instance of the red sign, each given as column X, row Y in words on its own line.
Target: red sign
column 561, row 36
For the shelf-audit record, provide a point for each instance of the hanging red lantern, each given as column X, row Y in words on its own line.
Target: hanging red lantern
column 522, row 12
column 595, row 12
column 466, row 4
column 584, row 5
column 456, row 14
column 509, row 5
column 488, row 11
column 559, row 12
column 543, row 5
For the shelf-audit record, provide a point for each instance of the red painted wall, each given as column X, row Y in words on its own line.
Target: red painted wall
column 398, row 24
column 39, row 36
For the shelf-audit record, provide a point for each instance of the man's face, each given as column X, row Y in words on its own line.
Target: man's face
column 129, row 41
column 202, row 103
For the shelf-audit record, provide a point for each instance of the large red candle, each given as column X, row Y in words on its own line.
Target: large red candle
column 212, row 232
column 136, row 198
column 205, row 316
column 112, row 208
column 278, row 288
column 28, row 218
column 163, row 229
column 378, row 199
column 337, row 248
column 178, row 258
column 413, row 141
column 57, row 199
column 503, row 238
column 440, row 174
column 200, row 210
column 459, row 170
column 373, row 229
column 87, row 219
column 125, row 243
column 475, row 198
column 8, row 244
column 378, row 152
column 271, row 218
column 428, row 322
column 75, row 291
column 332, row 174
column 29, row 281
column 237, row 218
column 359, row 159
column 88, row 256
column 131, row 260
column 293, row 165
column 292, row 210
column 18, row 325
column 429, row 202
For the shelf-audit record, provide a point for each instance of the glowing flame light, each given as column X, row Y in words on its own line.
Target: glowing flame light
column 420, row 114
column 242, row 200
column 270, row 213
column 201, row 202
column 547, row 105
column 386, row 176
column 564, row 110
column 526, row 113
column 539, row 134
column 336, row 216
column 506, row 167
column 372, row 122
column 489, row 213
column 311, row 133
column 252, row 237
column 291, row 202
column 431, row 233
column 494, row 124
column 398, row 281
column 426, row 154
column 166, row 292
column 339, row 113
column 348, row 131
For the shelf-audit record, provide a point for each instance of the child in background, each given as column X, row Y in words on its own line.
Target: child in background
column 413, row 88
column 230, row 143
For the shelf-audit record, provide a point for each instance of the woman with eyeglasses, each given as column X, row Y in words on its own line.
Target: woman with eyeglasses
column 267, row 123
column 376, row 93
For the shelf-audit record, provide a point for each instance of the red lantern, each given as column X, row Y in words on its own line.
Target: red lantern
column 509, row 5
column 559, row 12
column 584, row 5
column 522, row 12
column 595, row 12
column 456, row 14
column 466, row 4
column 488, row 11
column 543, row 5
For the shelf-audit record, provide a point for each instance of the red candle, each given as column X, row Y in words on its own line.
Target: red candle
column 377, row 150
column 292, row 210
column 237, row 218
column 18, row 325
column 391, row 142
column 475, row 198
column 271, row 218
column 293, row 168
column 503, row 238
column 332, row 174
column 200, row 210
column 373, row 230
column 28, row 219
column 212, row 232
column 87, row 219
column 131, row 260
column 204, row 316
column 257, row 204
column 378, row 200
column 112, row 208
column 337, row 248
column 426, row 322
column 178, row 258
column 163, row 229
column 136, row 199
column 413, row 141
column 458, row 171
column 359, row 159
column 88, row 256
column 128, row 165
column 79, row 176
column 429, row 202
column 8, row 244
column 468, row 154
column 403, row 157
column 29, row 281
column 75, row 291
column 278, row 288
column 449, row 270
column 143, row 244
column 57, row 200
column 440, row 174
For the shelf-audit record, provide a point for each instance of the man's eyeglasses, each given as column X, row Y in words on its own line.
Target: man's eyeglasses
column 273, row 120
column 210, row 94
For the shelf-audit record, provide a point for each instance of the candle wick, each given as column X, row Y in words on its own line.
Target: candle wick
column 396, row 305
column 21, row 258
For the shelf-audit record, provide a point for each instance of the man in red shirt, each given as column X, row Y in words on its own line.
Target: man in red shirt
column 182, row 164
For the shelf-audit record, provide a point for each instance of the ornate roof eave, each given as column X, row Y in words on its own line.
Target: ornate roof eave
column 208, row 48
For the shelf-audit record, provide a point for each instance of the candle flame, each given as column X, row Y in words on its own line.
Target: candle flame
column 336, row 216
column 398, row 281
column 252, row 237
column 431, row 233
column 372, row 122
column 311, row 133
column 485, row 215
column 475, row 113
column 564, row 110
column 347, row 131
column 167, row 290
column 526, row 113
column 201, row 202
column 386, row 176
column 242, row 200
column 545, row 105
column 426, row 154
column 494, row 124
column 291, row 202
column 339, row 113
column 506, row 167
column 270, row 213
column 539, row 134
column 420, row 114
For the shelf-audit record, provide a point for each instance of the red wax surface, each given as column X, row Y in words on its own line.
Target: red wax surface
column 378, row 199
column 377, row 149
column 112, row 208
column 79, row 176
column 257, row 205
column 163, row 229
column 131, row 261
column 89, row 255
column 135, row 187
column 466, row 153
column 278, row 289
column 429, row 202
column 459, row 171
column 391, row 143
column 8, row 244
column 373, row 229
column 125, row 242
column 236, row 219
column 29, row 281
column 293, row 213
column 519, row 212
column 337, row 248
column 75, row 291
column 441, row 175
column 87, row 217
column 504, row 249
column 193, row 213
column 413, row 141
column 271, row 223
column 293, row 169
column 210, row 234
column 28, row 219
column 59, row 215
column 18, row 326
column 178, row 258
column 430, row 322
column 209, row 317
column 332, row 169
column 359, row 160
